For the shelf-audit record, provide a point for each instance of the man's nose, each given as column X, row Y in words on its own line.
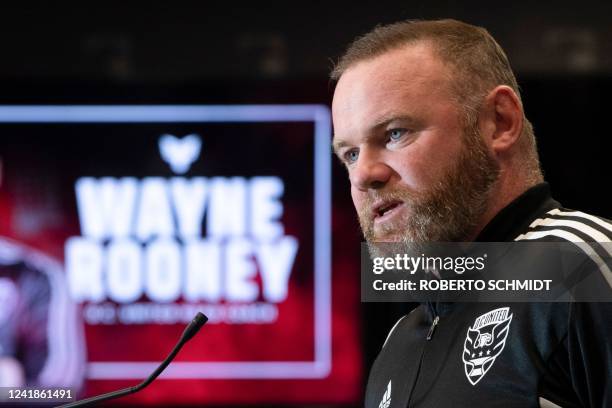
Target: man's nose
column 370, row 171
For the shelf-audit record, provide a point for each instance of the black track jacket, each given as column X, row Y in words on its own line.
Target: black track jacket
column 555, row 354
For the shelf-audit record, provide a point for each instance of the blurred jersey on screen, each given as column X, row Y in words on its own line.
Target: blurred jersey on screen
column 41, row 336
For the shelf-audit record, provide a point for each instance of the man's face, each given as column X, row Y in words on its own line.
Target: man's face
column 417, row 173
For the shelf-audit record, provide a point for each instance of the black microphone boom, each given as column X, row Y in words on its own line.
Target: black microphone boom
column 198, row 321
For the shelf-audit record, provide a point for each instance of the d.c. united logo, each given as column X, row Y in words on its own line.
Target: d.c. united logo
column 485, row 341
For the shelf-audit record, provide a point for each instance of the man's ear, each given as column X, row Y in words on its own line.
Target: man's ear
column 501, row 120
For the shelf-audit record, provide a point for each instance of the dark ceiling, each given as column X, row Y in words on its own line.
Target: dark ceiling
column 174, row 41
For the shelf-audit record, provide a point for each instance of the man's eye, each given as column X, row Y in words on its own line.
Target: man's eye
column 351, row 156
column 396, row 134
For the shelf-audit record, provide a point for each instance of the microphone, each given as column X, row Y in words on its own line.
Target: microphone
column 196, row 324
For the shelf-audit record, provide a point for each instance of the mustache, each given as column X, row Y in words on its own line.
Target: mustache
column 365, row 213
column 409, row 198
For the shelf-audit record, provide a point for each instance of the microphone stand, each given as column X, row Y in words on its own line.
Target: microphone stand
column 196, row 324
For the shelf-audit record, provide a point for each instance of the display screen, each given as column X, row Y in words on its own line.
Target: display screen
column 131, row 219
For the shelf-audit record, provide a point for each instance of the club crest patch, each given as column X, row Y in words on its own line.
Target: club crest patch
column 484, row 341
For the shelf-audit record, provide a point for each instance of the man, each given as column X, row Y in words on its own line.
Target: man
column 41, row 336
column 41, row 340
column 429, row 123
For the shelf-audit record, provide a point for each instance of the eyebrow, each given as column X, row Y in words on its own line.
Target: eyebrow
column 385, row 120
column 381, row 123
column 337, row 145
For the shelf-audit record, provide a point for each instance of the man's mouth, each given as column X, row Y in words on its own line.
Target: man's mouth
column 386, row 210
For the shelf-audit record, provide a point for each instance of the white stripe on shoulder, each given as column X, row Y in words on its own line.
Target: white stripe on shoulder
column 596, row 235
column 393, row 329
column 601, row 264
column 566, row 235
column 10, row 251
column 544, row 403
column 580, row 214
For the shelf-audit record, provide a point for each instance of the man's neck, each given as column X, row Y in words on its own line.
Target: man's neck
column 503, row 193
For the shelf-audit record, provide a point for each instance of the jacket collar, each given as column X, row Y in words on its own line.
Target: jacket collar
column 510, row 222
column 514, row 219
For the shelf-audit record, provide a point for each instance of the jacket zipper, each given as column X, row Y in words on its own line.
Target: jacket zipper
column 430, row 333
column 433, row 327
